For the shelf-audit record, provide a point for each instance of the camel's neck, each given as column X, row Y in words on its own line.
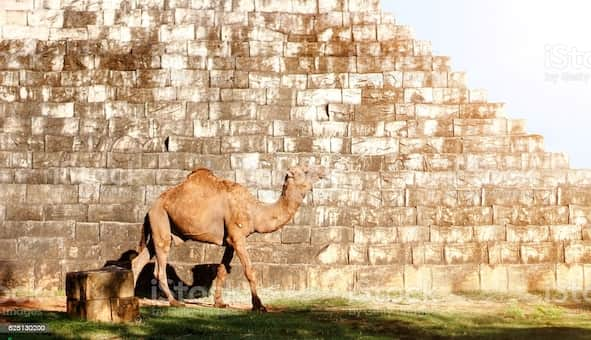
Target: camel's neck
column 271, row 217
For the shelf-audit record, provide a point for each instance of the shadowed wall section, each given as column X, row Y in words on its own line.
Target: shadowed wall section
column 105, row 104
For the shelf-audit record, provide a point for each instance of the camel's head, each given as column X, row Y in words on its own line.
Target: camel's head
column 304, row 176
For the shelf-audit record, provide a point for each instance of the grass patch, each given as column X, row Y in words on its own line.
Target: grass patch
column 328, row 318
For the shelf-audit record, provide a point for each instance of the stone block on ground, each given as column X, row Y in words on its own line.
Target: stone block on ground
column 105, row 295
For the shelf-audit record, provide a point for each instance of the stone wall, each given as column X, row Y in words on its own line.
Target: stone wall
column 106, row 103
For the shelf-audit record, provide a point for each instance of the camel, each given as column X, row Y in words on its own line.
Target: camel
column 209, row 209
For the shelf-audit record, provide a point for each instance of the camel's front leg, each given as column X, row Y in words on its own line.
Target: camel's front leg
column 223, row 270
column 240, row 247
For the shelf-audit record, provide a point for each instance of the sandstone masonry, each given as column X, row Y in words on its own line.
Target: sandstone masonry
column 106, row 103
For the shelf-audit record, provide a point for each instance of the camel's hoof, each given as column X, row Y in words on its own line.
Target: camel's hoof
column 220, row 305
column 176, row 303
column 259, row 309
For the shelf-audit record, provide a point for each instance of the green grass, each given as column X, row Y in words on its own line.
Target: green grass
column 330, row 318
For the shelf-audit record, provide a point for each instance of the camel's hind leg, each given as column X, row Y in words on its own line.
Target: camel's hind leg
column 223, row 270
column 139, row 263
column 162, row 239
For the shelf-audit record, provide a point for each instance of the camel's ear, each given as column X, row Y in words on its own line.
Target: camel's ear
column 290, row 173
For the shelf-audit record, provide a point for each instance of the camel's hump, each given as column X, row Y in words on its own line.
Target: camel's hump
column 201, row 171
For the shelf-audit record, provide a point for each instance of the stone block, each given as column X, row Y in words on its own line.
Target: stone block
column 120, row 194
column 504, row 253
column 295, row 234
column 334, row 278
column 508, row 197
column 243, row 144
column 285, row 277
column 465, row 253
column 380, row 278
column 327, row 235
column 480, row 127
column 388, row 254
column 579, row 178
column 493, row 278
column 450, row 279
column 451, row 234
column 48, row 194
column 531, row 216
column 570, row 277
column 529, row 143
column 418, row 279
column 577, row 252
column 376, row 235
column 531, row 278
column 244, row 95
column 87, row 232
column 358, row 254
column 333, row 254
column 375, row 113
column 116, row 212
column 527, row 233
column 489, row 233
column 431, row 111
column 374, row 146
column 319, row 97
column 579, row 215
column 366, row 80
column 37, row 247
column 480, row 111
column 232, row 110
column 8, row 250
column 574, row 195
column 544, row 252
column 566, row 233
column 113, row 231
column 117, row 310
column 427, row 254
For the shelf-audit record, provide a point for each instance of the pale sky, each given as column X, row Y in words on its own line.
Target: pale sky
column 533, row 55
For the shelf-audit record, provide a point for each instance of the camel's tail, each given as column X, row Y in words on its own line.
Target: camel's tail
column 146, row 228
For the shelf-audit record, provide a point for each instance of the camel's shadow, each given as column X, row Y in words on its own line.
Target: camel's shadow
column 203, row 276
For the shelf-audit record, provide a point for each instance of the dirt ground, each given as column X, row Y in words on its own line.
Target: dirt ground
column 324, row 315
column 485, row 303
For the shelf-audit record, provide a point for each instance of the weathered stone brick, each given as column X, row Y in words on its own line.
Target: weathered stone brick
column 493, row 278
column 35, row 248
column 116, row 212
column 65, row 212
column 391, row 278
column 461, row 278
column 544, row 252
column 532, row 278
column 504, row 253
column 333, row 254
column 332, row 235
column 24, row 212
column 295, row 234
column 465, row 253
column 334, row 278
column 8, row 250
column 44, row 194
column 489, row 233
column 577, row 252
column 118, row 194
column 284, row 277
column 388, row 254
column 569, row 277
